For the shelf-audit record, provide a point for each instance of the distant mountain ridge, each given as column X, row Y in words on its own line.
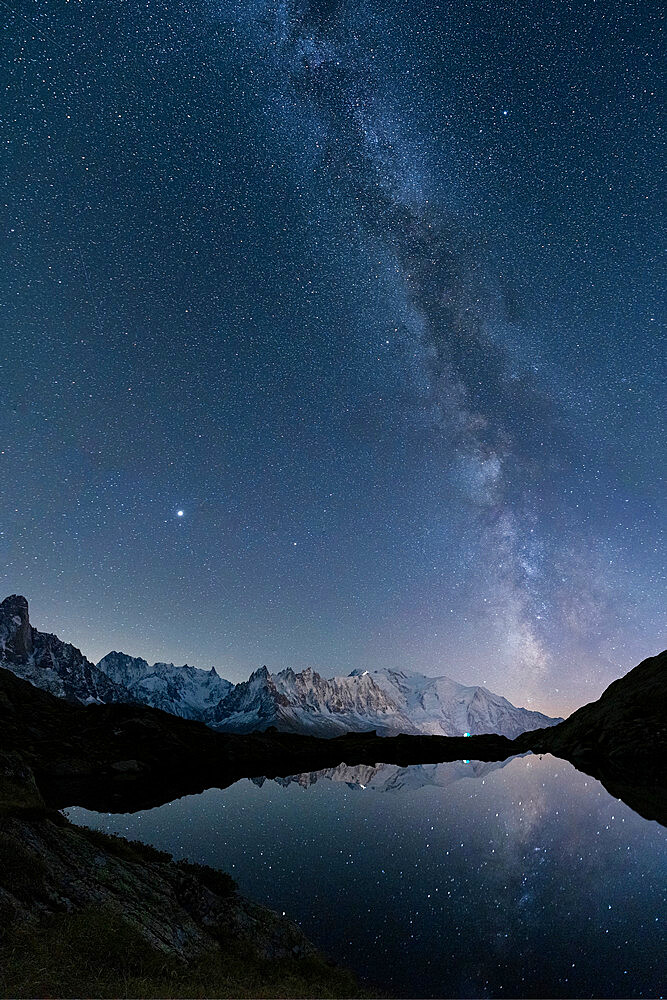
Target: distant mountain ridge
column 388, row 701
column 186, row 691
column 48, row 662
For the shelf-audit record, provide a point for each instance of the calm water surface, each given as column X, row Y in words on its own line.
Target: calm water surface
column 523, row 880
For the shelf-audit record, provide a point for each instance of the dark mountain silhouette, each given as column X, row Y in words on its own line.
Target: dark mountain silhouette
column 621, row 738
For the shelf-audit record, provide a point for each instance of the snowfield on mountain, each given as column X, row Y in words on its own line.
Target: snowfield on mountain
column 388, row 701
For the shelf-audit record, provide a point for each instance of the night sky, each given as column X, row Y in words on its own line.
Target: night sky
column 370, row 292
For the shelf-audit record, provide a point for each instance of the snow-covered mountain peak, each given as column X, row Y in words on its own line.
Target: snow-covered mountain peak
column 186, row 691
column 384, row 672
column 388, row 701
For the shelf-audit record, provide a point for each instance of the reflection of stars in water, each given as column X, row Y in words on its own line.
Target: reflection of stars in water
column 492, row 858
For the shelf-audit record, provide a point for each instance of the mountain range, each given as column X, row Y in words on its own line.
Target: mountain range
column 388, row 701
column 391, row 777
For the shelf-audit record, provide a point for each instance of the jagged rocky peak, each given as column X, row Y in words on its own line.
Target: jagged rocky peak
column 123, row 669
column 186, row 691
column 48, row 662
column 16, row 632
column 262, row 673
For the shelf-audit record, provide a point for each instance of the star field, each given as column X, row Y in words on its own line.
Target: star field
column 332, row 335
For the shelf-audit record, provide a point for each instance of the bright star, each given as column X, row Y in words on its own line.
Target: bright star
column 179, row 513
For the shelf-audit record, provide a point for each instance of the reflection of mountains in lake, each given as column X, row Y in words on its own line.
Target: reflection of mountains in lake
column 392, row 777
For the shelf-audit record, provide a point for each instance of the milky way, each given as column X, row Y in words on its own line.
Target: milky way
column 370, row 293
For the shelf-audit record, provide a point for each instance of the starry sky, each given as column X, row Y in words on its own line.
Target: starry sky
column 369, row 291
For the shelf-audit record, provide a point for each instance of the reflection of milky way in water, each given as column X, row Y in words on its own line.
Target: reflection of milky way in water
column 528, row 879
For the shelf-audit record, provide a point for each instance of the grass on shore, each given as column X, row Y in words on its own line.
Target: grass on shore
column 98, row 953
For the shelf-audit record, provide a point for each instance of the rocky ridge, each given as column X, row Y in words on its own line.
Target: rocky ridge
column 49, row 663
column 185, row 691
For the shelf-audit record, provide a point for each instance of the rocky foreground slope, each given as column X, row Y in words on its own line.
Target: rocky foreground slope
column 85, row 914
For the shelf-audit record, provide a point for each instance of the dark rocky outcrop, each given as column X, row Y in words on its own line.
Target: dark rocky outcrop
column 18, row 637
column 620, row 739
column 628, row 722
column 48, row 662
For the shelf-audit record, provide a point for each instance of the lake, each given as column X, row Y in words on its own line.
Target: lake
column 521, row 879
